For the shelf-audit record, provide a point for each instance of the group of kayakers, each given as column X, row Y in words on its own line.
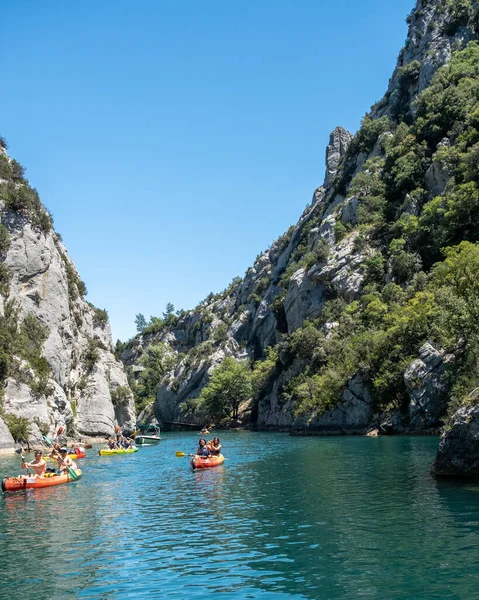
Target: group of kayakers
column 211, row 448
column 120, row 443
column 39, row 464
column 64, row 462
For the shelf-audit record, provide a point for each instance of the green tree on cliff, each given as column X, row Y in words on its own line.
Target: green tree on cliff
column 140, row 322
column 229, row 386
column 169, row 310
column 156, row 361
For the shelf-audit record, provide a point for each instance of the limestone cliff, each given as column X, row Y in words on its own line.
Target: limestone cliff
column 354, row 267
column 57, row 363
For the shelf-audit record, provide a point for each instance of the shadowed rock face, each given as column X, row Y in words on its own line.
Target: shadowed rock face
column 458, row 454
column 351, row 416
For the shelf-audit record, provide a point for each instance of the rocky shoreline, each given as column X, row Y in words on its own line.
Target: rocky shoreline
column 68, row 443
column 458, row 453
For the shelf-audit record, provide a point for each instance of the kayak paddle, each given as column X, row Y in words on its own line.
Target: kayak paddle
column 59, row 432
column 71, row 472
column 20, row 452
column 180, row 454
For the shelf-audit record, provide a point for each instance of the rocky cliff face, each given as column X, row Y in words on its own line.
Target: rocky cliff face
column 339, row 261
column 458, row 454
column 428, row 388
column 57, row 362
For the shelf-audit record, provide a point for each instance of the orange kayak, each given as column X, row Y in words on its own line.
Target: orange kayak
column 201, row 462
column 15, row 484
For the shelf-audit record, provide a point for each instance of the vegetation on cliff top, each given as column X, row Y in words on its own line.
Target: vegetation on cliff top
column 17, row 195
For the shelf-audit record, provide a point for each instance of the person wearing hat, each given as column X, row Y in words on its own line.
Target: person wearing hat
column 65, row 461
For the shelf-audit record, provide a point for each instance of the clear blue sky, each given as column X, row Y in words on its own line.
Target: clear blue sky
column 175, row 140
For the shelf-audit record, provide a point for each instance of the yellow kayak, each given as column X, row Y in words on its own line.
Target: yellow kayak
column 108, row 452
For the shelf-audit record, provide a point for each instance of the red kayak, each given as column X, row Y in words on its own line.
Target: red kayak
column 203, row 462
column 78, row 453
column 15, row 484
column 73, row 454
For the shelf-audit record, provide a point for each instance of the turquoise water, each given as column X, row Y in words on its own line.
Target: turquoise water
column 314, row 518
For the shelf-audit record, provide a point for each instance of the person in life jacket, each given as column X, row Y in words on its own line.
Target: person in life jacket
column 203, row 448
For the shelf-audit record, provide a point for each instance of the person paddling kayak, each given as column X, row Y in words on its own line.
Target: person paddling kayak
column 65, row 461
column 38, row 465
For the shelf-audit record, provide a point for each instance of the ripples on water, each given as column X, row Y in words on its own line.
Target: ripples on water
column 283, row 518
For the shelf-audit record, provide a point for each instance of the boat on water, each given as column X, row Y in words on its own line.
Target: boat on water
column 111, row 452
column 206, row 462
column 16, row 484
column 149, row 435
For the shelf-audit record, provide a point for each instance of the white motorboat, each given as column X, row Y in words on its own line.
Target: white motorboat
column 148, row 435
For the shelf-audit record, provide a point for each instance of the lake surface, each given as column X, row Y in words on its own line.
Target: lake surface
column 284, row 517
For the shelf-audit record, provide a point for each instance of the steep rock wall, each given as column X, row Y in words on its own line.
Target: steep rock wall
column 45, row 291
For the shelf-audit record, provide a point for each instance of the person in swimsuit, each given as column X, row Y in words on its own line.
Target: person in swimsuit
column 38, row 465
column 55, row 450
column 65, row 461
column 215, row 447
